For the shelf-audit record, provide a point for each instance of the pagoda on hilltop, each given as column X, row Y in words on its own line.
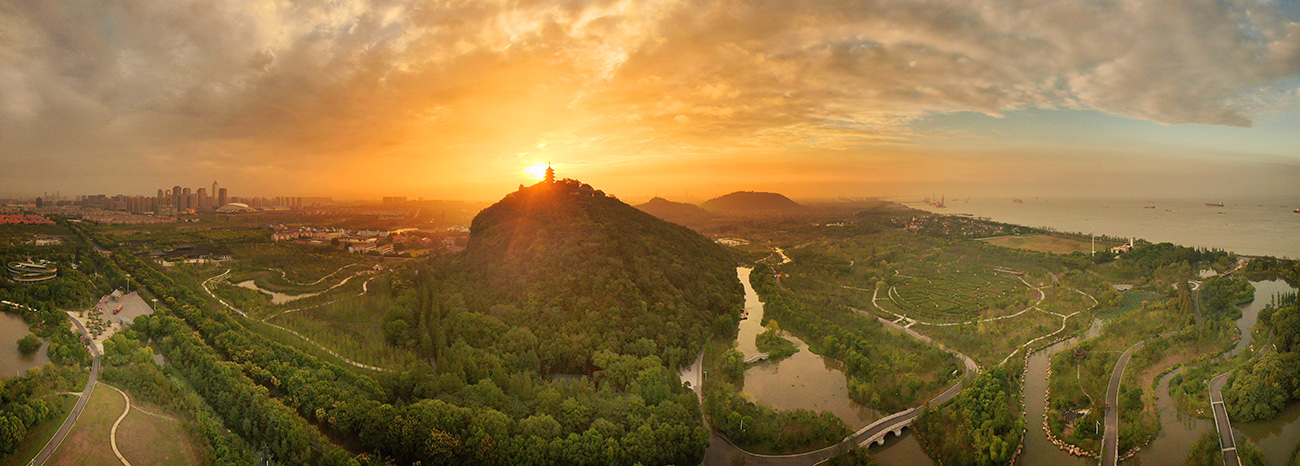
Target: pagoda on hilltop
column 550, row 174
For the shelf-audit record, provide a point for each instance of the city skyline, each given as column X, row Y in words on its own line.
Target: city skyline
column 684, row 100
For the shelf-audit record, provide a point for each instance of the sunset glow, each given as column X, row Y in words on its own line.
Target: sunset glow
column 536, row 172
column 652, row 97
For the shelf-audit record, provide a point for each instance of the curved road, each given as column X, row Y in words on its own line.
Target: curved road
column 57, row 440
column 1110, row 440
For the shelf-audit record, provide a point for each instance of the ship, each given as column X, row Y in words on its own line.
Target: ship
column 1017, row 201
column 1296, row 211
column 1151, row 207
column 939, row 204
column 1214, row 204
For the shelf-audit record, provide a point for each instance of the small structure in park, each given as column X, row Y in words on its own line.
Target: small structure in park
column 29, row 271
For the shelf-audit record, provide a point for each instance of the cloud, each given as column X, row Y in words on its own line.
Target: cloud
column 338, row 82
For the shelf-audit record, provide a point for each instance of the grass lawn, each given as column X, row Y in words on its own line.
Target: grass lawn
column 1045, row 243
column 146, row 439
column 40, row 434
column 87, row 444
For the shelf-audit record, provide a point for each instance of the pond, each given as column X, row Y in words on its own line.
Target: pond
column 12, row 327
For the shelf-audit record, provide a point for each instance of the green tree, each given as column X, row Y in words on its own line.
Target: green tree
column 29, row 344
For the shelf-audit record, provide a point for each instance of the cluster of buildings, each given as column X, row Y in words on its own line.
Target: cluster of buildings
column 369, row 241
column 25, row 219
column 192, row 254
column 180, row 200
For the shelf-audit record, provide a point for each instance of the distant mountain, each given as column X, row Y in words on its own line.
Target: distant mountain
column 750, row 201
column 568, row 260
column 673, row 211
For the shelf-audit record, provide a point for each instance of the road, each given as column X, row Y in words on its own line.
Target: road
column 1227, row 440
column 1110, row 441
column 57, row 440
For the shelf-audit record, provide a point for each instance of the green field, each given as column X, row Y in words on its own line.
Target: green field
column 148, row 440
column 87, row 444
column 958, row 296
column 1046, row 243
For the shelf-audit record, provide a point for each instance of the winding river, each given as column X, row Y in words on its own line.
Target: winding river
column 802, row 381
column 809, row 381
column 1275, row 437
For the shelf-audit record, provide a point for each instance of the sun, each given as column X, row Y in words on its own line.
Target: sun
column 536, row 172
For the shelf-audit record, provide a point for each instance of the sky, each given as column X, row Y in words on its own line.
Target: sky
column 681, row 99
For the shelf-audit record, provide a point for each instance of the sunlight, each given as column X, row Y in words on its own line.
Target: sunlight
column 536, row 172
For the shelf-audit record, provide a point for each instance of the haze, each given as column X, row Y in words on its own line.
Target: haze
column 454, row 100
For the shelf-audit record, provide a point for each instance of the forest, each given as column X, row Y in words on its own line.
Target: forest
column 549, row 347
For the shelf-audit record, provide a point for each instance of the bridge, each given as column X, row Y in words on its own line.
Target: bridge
column 878, row 431
column 756, row 358
column 1227, row 440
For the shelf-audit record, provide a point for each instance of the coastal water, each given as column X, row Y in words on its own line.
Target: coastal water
column 1263, row 226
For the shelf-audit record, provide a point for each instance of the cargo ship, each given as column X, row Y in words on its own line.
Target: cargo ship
column 1214, row 204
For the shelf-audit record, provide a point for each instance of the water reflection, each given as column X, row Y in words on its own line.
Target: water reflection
column 12, row 327
column 1178, row 431
column 1275, row 437
column 802, row 381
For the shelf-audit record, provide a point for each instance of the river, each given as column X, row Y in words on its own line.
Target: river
column 12, row 327
column 802, row 381
column 1038, row 448
column 809, row 381
column 1276, row 437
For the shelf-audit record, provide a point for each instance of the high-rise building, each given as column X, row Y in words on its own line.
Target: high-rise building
column 221, row 197
column 185, row 200
column 176, row 197
column 202, row 196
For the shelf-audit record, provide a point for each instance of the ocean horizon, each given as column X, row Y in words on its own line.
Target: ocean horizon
column 1264, row 226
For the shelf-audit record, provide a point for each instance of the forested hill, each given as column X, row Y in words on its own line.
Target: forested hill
column 672, row 211
column 749, row 201
column 563, row 257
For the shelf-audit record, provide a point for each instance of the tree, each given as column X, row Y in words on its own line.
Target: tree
column 29, row 344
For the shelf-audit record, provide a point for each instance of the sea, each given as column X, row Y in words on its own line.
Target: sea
column 1264, row 226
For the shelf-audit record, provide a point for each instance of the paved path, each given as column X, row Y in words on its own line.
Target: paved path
column 112, row 433
column 1110, row 440
column 1227, row 440
column 62, row 433
column 1196, row 301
